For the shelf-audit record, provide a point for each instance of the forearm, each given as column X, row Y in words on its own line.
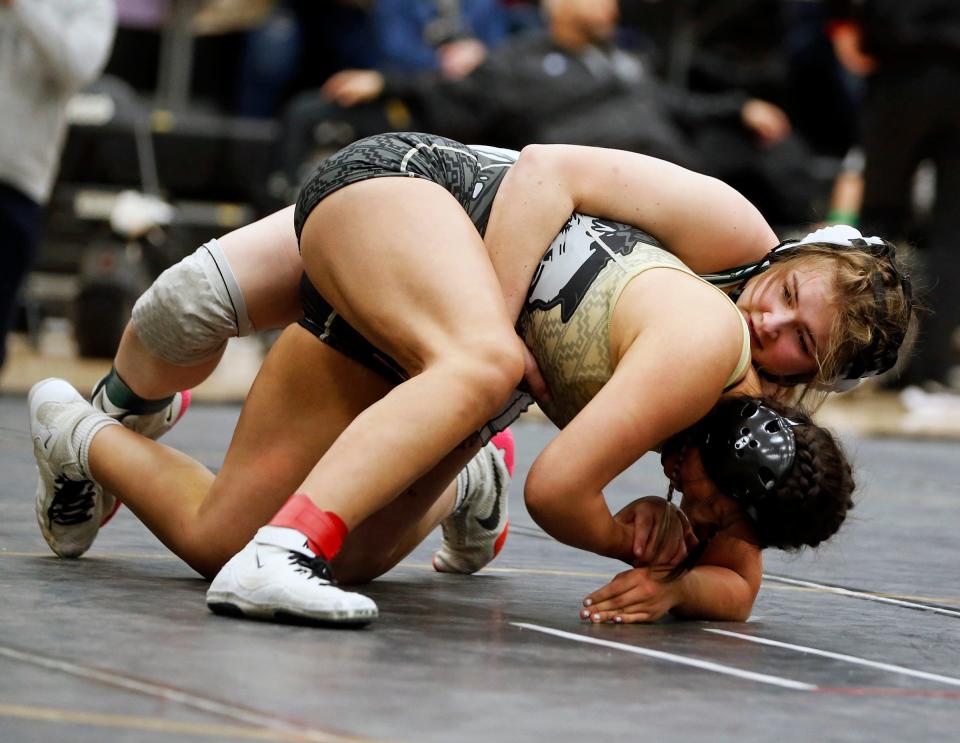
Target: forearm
column 531, row 207
column 702, row 220
column 717, row 593
column 584, row 522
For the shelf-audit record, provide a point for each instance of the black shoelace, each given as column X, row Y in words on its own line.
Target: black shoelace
column 72, row 501
column 315, row 567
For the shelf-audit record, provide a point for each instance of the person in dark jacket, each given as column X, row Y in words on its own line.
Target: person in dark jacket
column 910, row 55
column 573, row 84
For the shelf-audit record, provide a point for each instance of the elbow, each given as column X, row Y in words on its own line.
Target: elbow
column 729, row 613
column 539, row 160
column 739, row 612
column 537, row 502
column 533, row 154
column 541, row 497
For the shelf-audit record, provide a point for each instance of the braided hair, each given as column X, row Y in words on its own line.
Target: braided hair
column 812, row 502
column 805, row 509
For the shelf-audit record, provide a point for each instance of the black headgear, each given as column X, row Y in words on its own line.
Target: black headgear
column 747, row 449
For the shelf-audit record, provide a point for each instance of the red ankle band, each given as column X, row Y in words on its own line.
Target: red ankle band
column 324, row 530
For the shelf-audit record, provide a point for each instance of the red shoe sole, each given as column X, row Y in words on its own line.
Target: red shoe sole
column 113, row 512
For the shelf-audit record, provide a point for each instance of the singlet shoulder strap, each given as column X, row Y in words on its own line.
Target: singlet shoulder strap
column 744, row 362
column 644, row 257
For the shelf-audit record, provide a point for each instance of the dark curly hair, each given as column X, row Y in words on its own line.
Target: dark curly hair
column 807, row 508
column 813, row 500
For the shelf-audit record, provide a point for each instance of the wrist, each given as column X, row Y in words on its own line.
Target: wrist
column 621, row 541
column 683, row 590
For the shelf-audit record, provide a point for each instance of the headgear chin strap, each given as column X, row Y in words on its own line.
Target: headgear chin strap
column 747, row 449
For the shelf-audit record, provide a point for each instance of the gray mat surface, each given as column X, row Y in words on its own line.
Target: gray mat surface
column 119, row 646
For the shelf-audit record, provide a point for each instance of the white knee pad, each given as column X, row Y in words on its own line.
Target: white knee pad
column 192, row 309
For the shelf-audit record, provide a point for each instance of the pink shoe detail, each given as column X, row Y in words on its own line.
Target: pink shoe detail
column 185, row 397
column 504, row 442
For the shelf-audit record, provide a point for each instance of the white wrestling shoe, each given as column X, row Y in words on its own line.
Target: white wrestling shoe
column 152, row 425
column 276, row 577
column 70, row 505
column 475, row 532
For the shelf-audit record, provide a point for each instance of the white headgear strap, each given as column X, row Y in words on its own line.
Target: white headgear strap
column 838, row 234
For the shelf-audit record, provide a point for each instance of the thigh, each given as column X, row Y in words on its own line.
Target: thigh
column 266, row 262
column 400, row 259
column 304, row 396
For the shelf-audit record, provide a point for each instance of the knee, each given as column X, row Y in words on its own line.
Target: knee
column 491, row 368
column 192, row 309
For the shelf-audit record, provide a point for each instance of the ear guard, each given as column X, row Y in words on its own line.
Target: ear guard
column 747, row 449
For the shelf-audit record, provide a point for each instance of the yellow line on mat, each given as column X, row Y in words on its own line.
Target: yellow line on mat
column 121, row 555
column 154, row 724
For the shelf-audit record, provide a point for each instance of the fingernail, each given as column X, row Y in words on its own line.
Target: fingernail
column 596, row 617
column 585, row 614
column 587, row 602
column 618, row 620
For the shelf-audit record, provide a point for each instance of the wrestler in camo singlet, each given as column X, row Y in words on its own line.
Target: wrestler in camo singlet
column 567, row 326
column 566, row 317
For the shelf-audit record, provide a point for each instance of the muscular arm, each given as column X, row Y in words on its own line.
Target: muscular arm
column 667, row 326
column 724, row 585
column 703, row 221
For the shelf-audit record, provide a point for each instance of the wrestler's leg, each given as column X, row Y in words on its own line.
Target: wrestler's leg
column 174, row 341
column 417, row 282
column 381, row 541
column 305, row 394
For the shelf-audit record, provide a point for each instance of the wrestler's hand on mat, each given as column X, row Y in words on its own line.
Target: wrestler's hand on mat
column 646, row 515
column 636, row 595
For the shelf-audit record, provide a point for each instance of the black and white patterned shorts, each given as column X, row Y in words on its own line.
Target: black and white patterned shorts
column 448, row 163
column 400, row 154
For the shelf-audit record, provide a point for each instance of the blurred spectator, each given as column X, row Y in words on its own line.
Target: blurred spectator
column 910, row 54
column 136, row 46
column 298, row 46
column 816, row 81
column 449, row 36
column 776, row 50
column 574, row 84
column 49, row 49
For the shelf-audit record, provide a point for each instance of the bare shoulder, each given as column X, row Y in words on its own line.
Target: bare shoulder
column 681, row 311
